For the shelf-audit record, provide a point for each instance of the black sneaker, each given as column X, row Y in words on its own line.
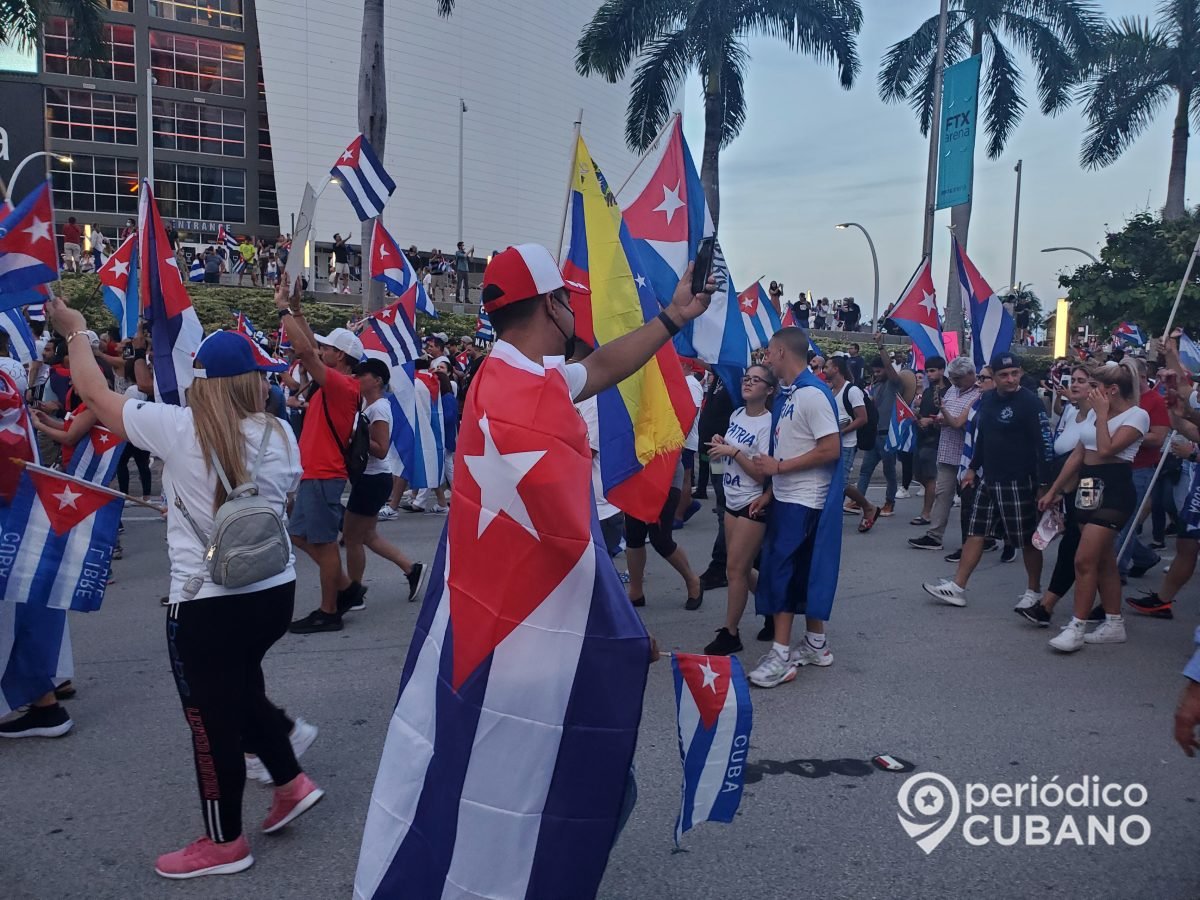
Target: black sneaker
column 38, row 721
column 1096, row 615
column 990, row 545
column 955, row 556
column 317, row 621
column 713, row 579
column 352, row 598
column 724, row 644
column 414, row 581
column 693, row 603
column 1008, row 554
column 1036, row 614
column 1150, row 605
column 925, row 542
column 65, row 691
column 767, row 632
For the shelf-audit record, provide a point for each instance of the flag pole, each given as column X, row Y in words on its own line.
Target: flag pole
column 654, row 143
column 1182, row 286
column 24, row 463
column 562, row 231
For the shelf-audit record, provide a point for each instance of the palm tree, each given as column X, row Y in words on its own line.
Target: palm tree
column 672, row 37
column 21, row 23
column 1055, row 34
column 1136, row 70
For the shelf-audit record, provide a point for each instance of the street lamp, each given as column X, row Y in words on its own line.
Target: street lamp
column 7, row 188
column 462, row 110
column 874, row 263
column 1076, row 249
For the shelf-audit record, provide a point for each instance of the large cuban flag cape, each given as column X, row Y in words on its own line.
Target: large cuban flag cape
column 900, row 436
column 645, row 419
column 174, row 327
column 119, row 284
column 712, row 703
column 28, row 250
column 59, row 534
column 363, row 179
column 22, row 343
column 917, row 313
column 758, row 314
column 391, row 266
column 663, row 205
column 508, row 753
column 991, row 326
column 35, row 643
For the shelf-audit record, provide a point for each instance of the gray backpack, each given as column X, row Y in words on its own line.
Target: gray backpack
column 249, row 541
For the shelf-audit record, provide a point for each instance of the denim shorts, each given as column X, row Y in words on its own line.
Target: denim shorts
column 317, row 512
column 848, row 454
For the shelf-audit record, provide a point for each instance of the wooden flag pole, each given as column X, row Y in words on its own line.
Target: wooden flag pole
column 1182, row 286
column 562, row 231
column 25, row 464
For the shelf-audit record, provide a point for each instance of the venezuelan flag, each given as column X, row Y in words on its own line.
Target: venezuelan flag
column 644, row 419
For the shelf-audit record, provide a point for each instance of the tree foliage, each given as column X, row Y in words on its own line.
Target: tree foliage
column 1138, row 276
column 21, row 22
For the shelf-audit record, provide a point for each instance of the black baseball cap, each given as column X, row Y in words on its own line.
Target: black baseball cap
column 1004, row 360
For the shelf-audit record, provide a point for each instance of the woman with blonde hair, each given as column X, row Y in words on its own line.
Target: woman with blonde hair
column 1105, row 500
column 216, row 636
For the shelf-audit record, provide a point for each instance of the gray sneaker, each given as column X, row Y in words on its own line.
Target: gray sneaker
column 772, row 670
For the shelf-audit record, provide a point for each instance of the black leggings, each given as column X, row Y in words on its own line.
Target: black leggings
column 217, row 645
column 906, row 468
column 660, row 533
column 141, row 459
column 1063, row 577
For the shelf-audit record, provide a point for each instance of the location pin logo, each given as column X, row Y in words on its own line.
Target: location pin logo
column 928, row 808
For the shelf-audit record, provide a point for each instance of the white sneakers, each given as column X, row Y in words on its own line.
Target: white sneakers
column 1074, row 635
column 902, row 494
column 804, row 654
column 1028, row 600
column 773, row 670
column 946, row 591
column 302, row 735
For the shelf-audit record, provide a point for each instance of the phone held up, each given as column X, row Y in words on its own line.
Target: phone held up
column 704, row 263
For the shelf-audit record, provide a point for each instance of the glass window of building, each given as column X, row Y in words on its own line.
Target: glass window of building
column 199, row 128
column 186, row 191
column 268, row 200
column 213, row 13
column 125, row 6
column 91, row 116
column 197, row 64
column 59, row 50
column 264, row 137
column 102, row 184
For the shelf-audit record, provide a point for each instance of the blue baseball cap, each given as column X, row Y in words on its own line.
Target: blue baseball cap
column 224, row 354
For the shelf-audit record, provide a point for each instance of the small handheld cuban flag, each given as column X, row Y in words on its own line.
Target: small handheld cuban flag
column 363, row 179
column 759, row 315
column 196, row 270
column 119, row 285
column 244, row 325
column 484, row 332
column 900, row 436
column 712, row 703
column 1130, row 333
column 916, row 312
column 391, row 266
column 28, row 250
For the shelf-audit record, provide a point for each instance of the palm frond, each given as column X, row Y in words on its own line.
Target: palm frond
column 620, row 30
column 1079, row 24
column 1058, row 69
column 21, row 22
column 826, row 31
column 733, row 92
column 661, row 72
column 1003, row 102
column 445, row 8
column 908, row 73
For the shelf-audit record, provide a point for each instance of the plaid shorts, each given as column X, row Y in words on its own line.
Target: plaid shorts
column 1013, row 503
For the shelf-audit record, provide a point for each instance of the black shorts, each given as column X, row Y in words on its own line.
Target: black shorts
column 743, row 513
column 1011, row 503
column 368, row 496
column 1118, row 496
column 688, row 459
column 925, row 461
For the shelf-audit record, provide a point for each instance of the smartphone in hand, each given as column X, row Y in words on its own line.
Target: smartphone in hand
column 704, row 264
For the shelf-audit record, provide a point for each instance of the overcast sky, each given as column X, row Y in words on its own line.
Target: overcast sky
column 812, row 155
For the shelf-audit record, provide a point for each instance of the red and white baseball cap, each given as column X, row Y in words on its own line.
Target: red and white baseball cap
column 521, row 272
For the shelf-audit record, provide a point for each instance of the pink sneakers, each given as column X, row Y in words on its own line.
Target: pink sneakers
column 203, row 857
column 292, row 800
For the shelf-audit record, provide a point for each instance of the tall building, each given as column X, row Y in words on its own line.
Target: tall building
column 252, row 98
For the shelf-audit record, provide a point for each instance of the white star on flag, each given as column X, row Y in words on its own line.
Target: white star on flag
column 930, row 303
column 498, row 475
column 67, row 498
column 348, row 154
column 641, row 280
column 670, row 202
column 104, row 437
column 710, row 676
column 748, row 304
column 120, row 268
column 38, row 230
column 383, row 251
column 386, row 313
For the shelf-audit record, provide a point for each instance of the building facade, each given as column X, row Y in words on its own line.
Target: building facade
column 251, row 99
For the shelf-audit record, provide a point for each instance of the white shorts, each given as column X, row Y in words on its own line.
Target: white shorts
column 341, row 269
column 72, row 252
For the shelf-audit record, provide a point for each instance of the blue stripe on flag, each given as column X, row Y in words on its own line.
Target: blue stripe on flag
column 21, row 340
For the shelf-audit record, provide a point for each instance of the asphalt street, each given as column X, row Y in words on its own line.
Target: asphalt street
column 973, row 694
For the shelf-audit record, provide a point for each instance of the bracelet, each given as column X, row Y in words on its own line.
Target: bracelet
column 283, row 312
column 75, row 334
column 672, row 328
column 139, row 353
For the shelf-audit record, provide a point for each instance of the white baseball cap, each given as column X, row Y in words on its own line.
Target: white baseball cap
column 344, row 340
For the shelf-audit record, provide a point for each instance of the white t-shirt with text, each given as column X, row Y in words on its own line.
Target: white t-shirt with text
column 753, row 435
column 807, row 417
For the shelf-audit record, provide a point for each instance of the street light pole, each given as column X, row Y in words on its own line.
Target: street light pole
column 874, row 264
column 1076, row 249
column 6, row 189
column 462, row 109
column 150, row 127
column 1012, row 274
column 935, row 130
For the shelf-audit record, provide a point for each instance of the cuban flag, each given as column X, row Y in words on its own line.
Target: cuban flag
column 35, row 311
column 391, row 266
column 17, row 438
column 244, row 325
column 712, row 705
column 389, row 335
column 21, row 343
column 664, row 208
column 916, row 312
column 992, row 327
column 59, row 532
column 363, row 179
column 484, row 332
column 902, row 428
column 196, row 270
column 499, row 779
column 418, row 430
column 119, row 284
column 174, row 327
column 1189, row 353
column 233, row 249
column 1130, row 334
column 28, row 249
column 95, row 458
column 758, row 315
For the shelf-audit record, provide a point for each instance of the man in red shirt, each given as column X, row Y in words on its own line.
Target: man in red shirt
column 1138, row 558
column 72, row 245
column 316, row 516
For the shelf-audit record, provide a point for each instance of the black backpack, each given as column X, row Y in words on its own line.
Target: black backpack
column 357, row 452
column 868, row 433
